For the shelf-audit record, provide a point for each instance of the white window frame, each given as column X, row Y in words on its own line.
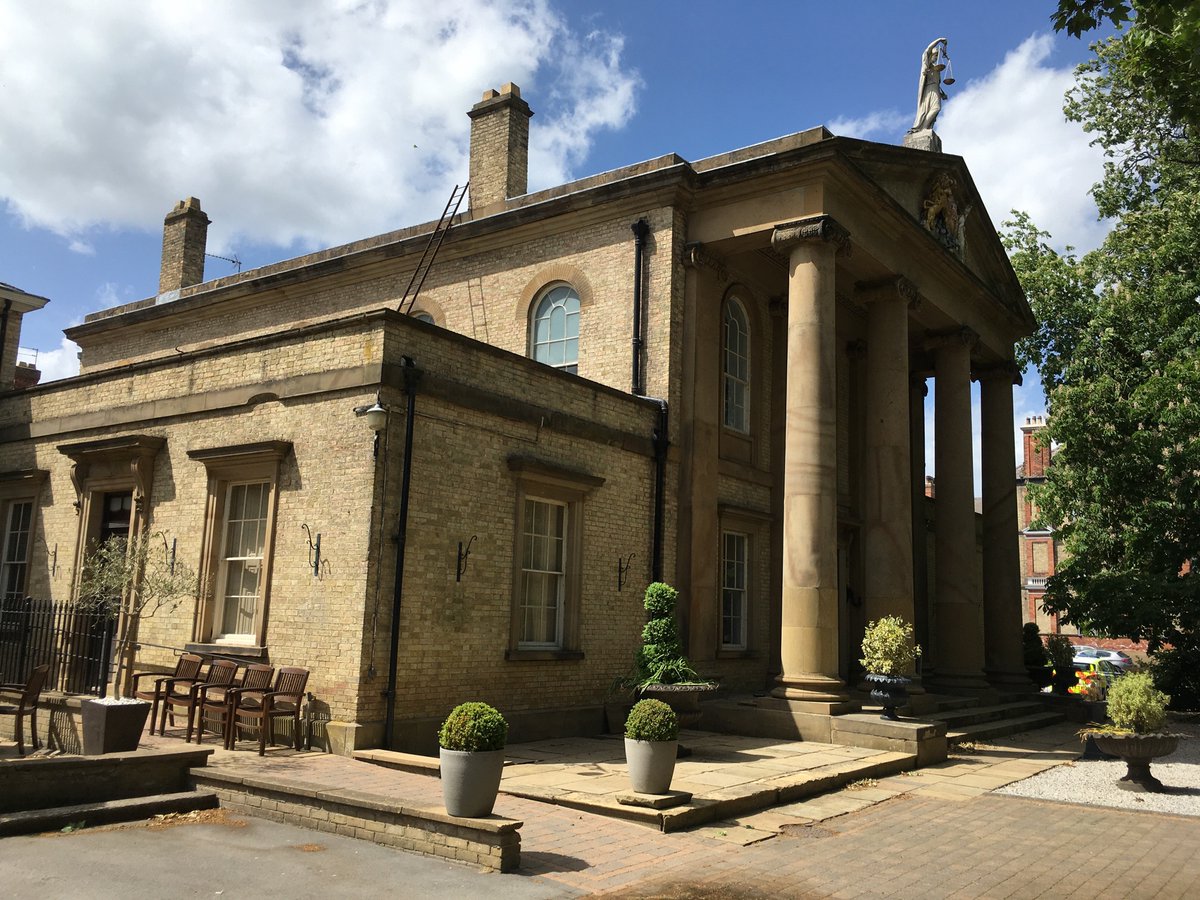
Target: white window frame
column 556, row 297
column 735, row 365
column 735, row 590
column 221, row 608
column 559, row 574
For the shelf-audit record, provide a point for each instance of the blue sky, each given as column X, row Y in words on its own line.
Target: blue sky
column 306, row 124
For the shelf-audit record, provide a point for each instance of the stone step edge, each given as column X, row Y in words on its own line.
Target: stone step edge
column 105, row 812
column 779, row 791
column 997, row 712
column 1003, row 727
column 412, row 763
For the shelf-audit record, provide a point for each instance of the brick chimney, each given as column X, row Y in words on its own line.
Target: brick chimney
column 185, row 233
column 1037, row 457
column 14, row 303
column 26, row 376
column 499, row 147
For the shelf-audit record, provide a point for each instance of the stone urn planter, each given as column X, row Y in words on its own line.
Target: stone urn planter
column 1137, row 751
column 113, row 726
column 684, row 699
column 471, row 750
column 889, row 691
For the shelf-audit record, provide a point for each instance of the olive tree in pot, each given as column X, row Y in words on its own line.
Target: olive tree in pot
column 127, row 580
column 1137, row 733
column 888, row 656
column 472, row 758
column 651, row 744
column 663, row 671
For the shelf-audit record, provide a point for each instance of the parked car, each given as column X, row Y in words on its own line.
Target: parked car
column 1085, row 656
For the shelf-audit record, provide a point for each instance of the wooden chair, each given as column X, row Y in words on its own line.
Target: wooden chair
column 187, row 673
column 25, row 705
column 282, row 700
column 183, row 694
column 217, row 700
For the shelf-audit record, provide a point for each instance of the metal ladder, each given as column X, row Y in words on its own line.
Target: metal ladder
column 431, row 248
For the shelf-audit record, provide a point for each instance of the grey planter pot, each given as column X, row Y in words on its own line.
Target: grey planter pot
column 470, row 781
column 651, row 765
column 112, row 727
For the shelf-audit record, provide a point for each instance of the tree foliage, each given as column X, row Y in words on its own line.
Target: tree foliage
column 1118, row 348
column 1161, row 40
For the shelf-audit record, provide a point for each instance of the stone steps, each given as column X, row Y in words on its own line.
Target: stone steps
column 979, row 714
column 104, row 812
column 413, row 763
column 982, row 731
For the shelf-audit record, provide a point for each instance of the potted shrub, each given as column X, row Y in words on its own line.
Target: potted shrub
column 1137, row 733
column 889, row 654
column 1062, row 658
column 651, row 744
column 471, row 744
column 1036, row 659
column 127, row 580
column 663, row 671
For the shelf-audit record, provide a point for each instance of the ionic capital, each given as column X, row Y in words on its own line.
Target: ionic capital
column 963, row 336
column 1007, row 371
column 817, row 228
column 897, row 288
column 696, row 257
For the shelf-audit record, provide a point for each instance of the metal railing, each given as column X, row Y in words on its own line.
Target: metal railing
column 76, row 644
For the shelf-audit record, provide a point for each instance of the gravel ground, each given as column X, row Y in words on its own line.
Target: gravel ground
column 1095, row 782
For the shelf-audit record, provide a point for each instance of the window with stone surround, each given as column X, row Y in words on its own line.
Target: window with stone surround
column 735, row 572
column 547, row 559
column 238, row 542
column 735, row 367
column 554, row 328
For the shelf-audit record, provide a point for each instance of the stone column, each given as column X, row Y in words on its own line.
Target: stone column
column 887, row 468
column 958, row 631
column 699, row 540
column 809, row 626
column 1003, row 660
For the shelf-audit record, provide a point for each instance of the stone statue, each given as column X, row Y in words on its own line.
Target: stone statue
column 929, row 89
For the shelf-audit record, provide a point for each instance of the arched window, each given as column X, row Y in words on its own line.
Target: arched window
column 735, row 367
column 554, row 337
column 421, row 316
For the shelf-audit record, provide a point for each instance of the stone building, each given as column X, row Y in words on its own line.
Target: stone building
column 709, row 372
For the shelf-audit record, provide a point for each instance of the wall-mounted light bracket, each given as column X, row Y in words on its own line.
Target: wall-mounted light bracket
column 623, row 564
column 314, row 550
column 461, row 568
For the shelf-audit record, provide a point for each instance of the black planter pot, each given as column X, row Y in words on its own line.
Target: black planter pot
column 889, row 691
column 112, row 727
column 1041, row 676
column 1064, row 681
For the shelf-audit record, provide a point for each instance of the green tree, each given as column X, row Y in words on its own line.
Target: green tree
column 1118, row 348
column 1161, row 39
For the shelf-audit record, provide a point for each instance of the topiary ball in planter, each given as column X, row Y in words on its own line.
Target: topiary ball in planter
column 471, row 742
column 651, row 743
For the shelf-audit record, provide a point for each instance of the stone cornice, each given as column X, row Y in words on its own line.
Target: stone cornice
column 816, row 228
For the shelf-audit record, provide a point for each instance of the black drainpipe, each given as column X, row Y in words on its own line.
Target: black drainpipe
column 661, row 443
column 640, row 230
column 4, row 330
column 411, row 376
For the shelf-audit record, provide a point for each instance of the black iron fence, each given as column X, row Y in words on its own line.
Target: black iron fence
column 76, row 644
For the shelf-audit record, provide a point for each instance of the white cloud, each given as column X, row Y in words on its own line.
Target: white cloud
column 60, row 363
column 307, row 122
column 1023, row 154
column 880, row 125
